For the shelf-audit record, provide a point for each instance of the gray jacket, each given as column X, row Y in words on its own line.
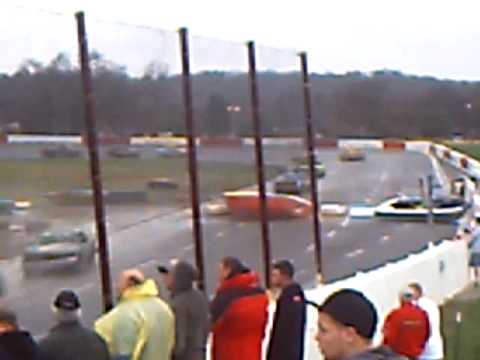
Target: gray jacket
column 379, row 353
column 191, row 310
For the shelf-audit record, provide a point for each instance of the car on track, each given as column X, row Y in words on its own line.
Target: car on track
column 123, row 152
column 170, row 152
column 351, row 154
column 304, row 170
column 61, row 151
column 290, row 183
column 74, row 249
column 414, row 208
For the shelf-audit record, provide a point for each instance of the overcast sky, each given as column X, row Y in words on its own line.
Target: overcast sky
column 422, row 37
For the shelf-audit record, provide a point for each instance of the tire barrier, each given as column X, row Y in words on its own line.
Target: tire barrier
column 325, row 143
column 84, row 197
column 162, row 184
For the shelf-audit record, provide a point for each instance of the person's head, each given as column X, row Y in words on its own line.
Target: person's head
column 8, row 321
column 417, row 290
column 179, row 277
column 130, row 278
column 407, row 295
column 166, row 274
column 346, row 324
column 282, row 273
column 66, row 307
column 229, row 267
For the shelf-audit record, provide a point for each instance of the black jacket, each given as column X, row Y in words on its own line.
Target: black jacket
column 191, row 310
column 287, row 337
column 16, row 345
column 72, row 341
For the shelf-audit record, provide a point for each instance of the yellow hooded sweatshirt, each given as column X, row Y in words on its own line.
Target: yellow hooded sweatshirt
column 140, row 327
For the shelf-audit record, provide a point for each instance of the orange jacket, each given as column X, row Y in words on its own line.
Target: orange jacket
column 239, row 316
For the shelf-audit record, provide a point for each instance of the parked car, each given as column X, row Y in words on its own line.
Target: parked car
column 71, row 249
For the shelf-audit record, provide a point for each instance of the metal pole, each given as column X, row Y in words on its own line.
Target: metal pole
column 254, row 98
column 317, row 225
column 192, row 157
column 96, row 179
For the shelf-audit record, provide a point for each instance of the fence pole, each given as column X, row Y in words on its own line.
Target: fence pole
column 309, row 142
column 255, row 106
column 95, row 172
column 192, row 157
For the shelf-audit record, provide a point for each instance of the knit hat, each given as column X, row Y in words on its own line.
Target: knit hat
column 351, row 308
column 67, row 300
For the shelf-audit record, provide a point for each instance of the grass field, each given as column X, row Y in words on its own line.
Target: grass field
column 462, row 339
column 472, row 149
column 31, row 179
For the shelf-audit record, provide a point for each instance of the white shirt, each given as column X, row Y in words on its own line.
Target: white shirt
column 434, row 347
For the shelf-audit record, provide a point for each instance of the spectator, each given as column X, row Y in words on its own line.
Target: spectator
column 290, row 316
column 434, row 347
column 141, row 326
column 239, row 313
column 346, row 325
column 15, row 344
column 474, row 261
column 191, row 310
column 69, row 339
column 406, row 328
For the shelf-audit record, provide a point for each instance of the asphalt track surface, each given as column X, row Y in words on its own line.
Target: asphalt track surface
column 349, row 245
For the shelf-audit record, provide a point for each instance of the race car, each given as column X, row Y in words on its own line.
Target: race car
column 290, row 183
column 170, row 152
column 303, row 170
column 61, row 151
column 124, row 152
column 71, row 249
column 414, row 208
column 351, row 154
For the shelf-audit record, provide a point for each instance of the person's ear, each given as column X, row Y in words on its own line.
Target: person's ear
column 349, row 334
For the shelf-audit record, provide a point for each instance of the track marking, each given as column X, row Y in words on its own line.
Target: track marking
column 188, row 248
column 346, row 221
column 310, row 248
column 354, row 253
column 220, row 234
column 331, row 234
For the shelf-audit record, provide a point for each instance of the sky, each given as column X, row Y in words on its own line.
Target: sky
column 422, row 37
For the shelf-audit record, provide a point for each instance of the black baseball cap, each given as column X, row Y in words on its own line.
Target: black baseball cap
column 351, row 308
column 67, row 300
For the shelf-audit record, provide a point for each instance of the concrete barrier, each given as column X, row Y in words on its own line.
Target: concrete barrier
column 43, row 139
column 394, row 145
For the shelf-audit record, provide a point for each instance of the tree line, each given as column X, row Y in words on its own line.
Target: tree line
column 46, row 98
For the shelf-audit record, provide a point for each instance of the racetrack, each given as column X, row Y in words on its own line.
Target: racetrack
column 349, row 245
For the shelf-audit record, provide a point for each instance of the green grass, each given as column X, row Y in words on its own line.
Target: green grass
column 32, row 178
column 472, row 149
column 462, row 340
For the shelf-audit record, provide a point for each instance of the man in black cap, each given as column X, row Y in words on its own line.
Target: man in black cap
column 347, row 321
column 15, row 343
column 69, row 339
column 289, row 321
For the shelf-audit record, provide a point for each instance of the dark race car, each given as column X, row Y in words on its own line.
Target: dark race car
column 72, row 250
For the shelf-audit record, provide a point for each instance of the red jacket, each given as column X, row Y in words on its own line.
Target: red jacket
column 407, row 330
column 239, row 316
